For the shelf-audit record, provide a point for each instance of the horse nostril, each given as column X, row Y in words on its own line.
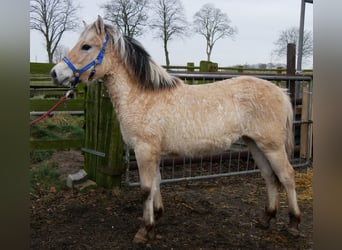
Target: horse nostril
column 53, row 74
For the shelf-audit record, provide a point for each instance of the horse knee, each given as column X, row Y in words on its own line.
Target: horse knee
column 145, row 192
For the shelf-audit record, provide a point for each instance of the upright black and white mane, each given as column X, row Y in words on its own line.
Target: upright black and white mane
column 147, row 73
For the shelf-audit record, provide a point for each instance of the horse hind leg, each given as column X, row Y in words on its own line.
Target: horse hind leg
column 148, row 163
column 286, row 174
column 271, row 180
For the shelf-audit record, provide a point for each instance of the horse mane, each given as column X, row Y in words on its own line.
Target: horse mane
column 139, row 63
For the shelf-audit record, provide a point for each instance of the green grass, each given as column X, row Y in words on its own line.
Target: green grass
column 45, row 178
column 61, row 126
column 37, row 156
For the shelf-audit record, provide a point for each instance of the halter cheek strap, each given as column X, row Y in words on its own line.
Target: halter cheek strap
column 78, row 72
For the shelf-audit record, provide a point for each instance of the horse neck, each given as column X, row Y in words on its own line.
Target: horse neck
column 119, row 86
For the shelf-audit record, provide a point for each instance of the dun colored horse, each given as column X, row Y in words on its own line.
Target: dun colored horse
column 161, row 115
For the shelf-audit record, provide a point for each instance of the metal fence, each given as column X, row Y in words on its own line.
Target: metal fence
column 237, row 160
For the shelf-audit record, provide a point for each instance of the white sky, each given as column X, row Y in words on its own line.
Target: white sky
column 259, row 23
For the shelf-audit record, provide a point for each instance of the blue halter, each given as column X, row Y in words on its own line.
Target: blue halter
column 78, row 72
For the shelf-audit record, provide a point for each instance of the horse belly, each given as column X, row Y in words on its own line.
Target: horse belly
column 194, row 144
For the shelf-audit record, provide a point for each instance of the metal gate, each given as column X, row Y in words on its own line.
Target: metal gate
column 237, row 160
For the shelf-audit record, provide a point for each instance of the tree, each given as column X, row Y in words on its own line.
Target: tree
column 130, row 16
column 52, row 18
column 60, row 52
column 213, row 24
column 169, row 22
column 291, row 35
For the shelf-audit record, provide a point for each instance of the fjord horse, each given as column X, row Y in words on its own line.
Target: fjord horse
column 160, row 115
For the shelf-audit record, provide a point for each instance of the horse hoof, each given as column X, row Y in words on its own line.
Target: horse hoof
column 293, row 232
column 141, row 236
column 263, row 224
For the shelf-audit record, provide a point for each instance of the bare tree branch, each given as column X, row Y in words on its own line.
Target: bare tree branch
column 130, row 16
column 213, row 24
column 291, row 35
column 60, row 52
column 169, row 22
column 52, row 18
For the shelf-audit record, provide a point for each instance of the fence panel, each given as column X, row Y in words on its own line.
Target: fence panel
column 103, row 145
column 238, row 159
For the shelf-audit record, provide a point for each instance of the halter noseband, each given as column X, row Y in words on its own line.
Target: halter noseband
column 78, row 72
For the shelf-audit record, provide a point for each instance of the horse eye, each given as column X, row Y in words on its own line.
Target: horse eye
column 86, row 47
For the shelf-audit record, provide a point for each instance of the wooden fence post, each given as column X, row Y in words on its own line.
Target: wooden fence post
column 291, row 68
column 304, row 127
column 103, row 145
column 190, row 67
column 207, row 66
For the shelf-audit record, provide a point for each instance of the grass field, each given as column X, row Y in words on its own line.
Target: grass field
column 44, row 176
column 59, row 126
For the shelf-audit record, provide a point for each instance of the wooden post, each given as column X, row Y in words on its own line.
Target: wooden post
column 204, row 66
column 213, row 67
column 291, row 68
column 190, row 67
column 103, row 145
column 207, row 66
column 80, row 90
column 291, row 71
column 304, row 127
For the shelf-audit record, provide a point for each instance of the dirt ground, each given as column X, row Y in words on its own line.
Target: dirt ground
column 212, row 214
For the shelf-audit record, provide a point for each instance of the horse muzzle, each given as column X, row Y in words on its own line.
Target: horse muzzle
column 61, row 75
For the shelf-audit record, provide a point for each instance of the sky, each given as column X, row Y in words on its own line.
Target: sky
column 259, row 24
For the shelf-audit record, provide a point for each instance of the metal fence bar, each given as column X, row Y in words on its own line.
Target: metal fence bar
column 237, row 160
column 222, row 76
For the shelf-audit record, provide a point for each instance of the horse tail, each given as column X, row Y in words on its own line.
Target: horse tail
column 289, row 145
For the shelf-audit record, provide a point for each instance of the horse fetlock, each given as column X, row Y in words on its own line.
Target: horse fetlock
column 158, row 213
column 270, row 213
column 294, row 222
column 146, row 192
column 264, row 221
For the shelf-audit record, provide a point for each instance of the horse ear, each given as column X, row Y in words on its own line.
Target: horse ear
column 84, row 23
column 99, row 25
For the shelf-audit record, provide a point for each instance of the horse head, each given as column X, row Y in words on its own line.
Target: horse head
column 86, row 60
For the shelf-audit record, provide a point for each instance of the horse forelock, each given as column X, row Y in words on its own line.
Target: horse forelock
column 146, row 73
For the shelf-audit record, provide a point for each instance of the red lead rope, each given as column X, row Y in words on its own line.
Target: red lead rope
column 51, row 109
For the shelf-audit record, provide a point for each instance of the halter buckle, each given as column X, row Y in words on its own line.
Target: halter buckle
column 92, row 73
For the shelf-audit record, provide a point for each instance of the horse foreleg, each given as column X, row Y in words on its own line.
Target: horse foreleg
column 149, row 182
column 158, row 202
